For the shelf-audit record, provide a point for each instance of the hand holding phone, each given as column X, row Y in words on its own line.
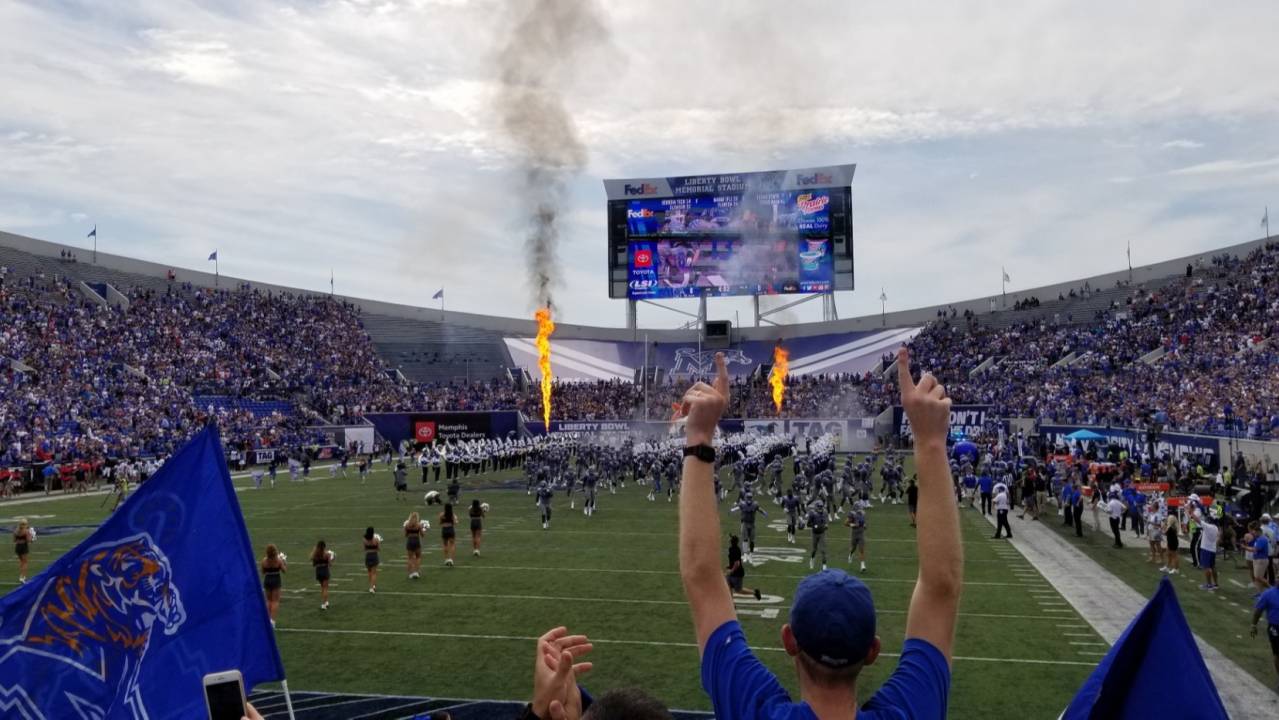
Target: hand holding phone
column 224, row 695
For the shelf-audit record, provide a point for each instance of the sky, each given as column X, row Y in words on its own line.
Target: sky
column 362, row 137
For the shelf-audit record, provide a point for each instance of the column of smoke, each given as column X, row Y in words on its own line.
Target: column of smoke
column 535, row 67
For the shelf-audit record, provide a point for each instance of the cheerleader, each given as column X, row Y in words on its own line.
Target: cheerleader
column 413, row 544
column 22, row 539
column 322, row 560
column 448, row 533
column 372, row 541
column 477, row 525
column 273, row 569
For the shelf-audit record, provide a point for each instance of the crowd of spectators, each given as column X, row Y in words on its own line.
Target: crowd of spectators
column 80, row 380
column 1197, row 355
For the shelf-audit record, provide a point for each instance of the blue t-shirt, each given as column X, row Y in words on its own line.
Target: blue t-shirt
column 741, row 688
column 1269, row 601
column 986, row 482
column 1261, row 548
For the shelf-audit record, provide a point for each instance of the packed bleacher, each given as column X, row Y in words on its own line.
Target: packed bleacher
column 95, row 381
column 1193, row 353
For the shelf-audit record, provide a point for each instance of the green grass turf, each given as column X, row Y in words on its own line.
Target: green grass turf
column 1221, row 618
column 467, row 631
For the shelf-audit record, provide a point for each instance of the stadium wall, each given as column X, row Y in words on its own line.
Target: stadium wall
column 526, row 327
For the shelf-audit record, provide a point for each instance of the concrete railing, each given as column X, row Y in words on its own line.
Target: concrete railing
column 90, row 294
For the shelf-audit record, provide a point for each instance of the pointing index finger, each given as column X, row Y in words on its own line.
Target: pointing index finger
column 721, row 375
column 903, row 370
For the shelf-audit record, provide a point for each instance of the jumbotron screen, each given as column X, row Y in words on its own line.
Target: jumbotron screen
column 762, row 233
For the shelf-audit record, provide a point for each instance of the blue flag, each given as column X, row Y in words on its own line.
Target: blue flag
column 93, row 232
column 438, row 294
column 213, row 255
column 127, row 623
column 1132, row 680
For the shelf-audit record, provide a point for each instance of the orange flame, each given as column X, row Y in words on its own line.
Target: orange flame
column 544, row 329
column 777, row 378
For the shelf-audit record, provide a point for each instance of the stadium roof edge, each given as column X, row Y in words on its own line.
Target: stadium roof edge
column 520, row 326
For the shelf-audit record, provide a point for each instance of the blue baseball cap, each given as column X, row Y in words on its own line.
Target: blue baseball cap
column 833, row 618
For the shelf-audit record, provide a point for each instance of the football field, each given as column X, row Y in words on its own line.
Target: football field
column 468, row 631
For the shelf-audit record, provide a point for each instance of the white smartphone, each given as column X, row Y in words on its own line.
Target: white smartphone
column 224, row 695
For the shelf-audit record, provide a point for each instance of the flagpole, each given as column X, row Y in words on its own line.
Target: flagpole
column 644, row 376
column 95, row 243
column 288, row 699
column 1003, row 284
column 330, row 282
column 1266, row 217
column 1130, row 262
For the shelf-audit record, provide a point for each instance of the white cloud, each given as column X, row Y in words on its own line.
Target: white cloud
column 1225, row 166
column 359, row 133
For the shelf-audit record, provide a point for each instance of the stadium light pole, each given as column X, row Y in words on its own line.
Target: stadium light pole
column 883, row 308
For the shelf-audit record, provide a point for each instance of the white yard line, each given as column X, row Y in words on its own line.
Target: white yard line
column 649, row 643
column 1109, row 605
column 425, row 595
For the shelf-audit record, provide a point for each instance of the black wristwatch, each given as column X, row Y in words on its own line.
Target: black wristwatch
column 705, row 453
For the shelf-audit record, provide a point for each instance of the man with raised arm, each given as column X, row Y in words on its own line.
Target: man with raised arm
column 831, row 633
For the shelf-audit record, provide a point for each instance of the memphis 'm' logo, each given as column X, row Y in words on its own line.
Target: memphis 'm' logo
column 424, row 431
column 641, row 189
column 81, row 645
column 814, row 179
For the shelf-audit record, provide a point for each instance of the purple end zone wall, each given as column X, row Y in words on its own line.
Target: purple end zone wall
column 602, row 360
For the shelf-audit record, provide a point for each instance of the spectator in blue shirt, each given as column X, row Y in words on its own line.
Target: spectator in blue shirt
column 1259, row 554
column 986, row 483
column 831, row 633
column 1268, row 603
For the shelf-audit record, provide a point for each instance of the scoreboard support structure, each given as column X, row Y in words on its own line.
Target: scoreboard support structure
column 829, row 312
column 699, row 319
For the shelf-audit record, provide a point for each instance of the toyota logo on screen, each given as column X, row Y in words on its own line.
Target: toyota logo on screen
column 643, row 258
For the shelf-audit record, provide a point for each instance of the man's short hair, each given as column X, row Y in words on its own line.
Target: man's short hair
column 828, row 676
column 627, row 704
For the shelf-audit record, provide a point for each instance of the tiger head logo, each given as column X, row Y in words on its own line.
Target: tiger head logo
column 97, row 616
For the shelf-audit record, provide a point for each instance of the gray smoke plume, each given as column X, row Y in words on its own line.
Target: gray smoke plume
column 535, row 66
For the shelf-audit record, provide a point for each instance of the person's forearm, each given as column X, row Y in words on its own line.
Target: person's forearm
column 698, row 528
column 941, row 549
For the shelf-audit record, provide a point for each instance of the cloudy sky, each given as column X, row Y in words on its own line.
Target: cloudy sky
column 362, row 136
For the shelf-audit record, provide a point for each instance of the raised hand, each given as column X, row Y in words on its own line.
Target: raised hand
column 555, row 673
column 926, row 404
column 704, row 404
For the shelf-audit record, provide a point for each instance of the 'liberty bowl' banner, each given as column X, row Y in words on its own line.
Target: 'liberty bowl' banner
column 619, row 428
column 966, row 420
column 1134, row 440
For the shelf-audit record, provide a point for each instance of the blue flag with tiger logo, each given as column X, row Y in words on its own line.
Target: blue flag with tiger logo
column 127, row 623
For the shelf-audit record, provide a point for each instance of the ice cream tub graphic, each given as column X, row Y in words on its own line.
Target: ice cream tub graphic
column 817, row 246
column 811, row 260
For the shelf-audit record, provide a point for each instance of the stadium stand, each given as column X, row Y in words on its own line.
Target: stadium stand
column 1190, row 350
